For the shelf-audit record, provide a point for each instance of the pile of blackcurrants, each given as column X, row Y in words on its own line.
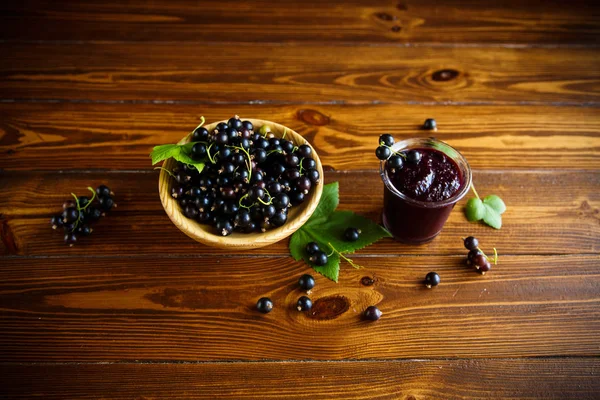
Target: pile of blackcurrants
column 250, row 179
column 477, row 257
column 78, row 214
column 318, row 257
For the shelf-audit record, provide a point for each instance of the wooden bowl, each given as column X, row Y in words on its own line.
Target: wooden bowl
column 202, row 233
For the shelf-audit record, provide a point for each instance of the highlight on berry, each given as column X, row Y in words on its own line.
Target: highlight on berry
column 81, row 212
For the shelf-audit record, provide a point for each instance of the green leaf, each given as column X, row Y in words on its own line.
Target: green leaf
column 298, row 242
column 328, row 203
column 326, row 226
column 332, row 231
column 474, row 210
column 160, row 153
column 495, row 202
column 492, row 217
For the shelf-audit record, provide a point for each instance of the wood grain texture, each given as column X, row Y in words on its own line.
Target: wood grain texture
column 201, row 309
column 357, row 21
column 291, row 74
column 456, row 379
column 120, row 136
column 563, row 219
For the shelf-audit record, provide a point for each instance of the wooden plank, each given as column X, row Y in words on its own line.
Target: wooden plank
column 562, row 216
column 224, row 73
column 117, row 136
column 570, row 378
column 409, row 21
column 86, row 309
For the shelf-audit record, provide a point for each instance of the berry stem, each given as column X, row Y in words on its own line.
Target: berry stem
column 284, row 133
column 167, row 171
column 348, row 260
column 202, row 120
column 240, row 202
column 248, row 160
column 475, row 191
column 495, row 257
column 212, row 160
column 92, row 199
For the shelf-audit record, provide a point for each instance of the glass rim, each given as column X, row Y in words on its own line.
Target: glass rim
column 437, row 145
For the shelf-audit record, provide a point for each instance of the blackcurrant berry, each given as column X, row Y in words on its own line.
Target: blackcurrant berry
column 279, row 218
column 292, row 160
column 190, row 212
column 413, row 157
column 304, row 304
column 313, row 175
column 69, row 204
column 274, row 188
column 303, row 184
column 245, row 143
column 92, row 214
column 224, row 227
column 432, row 279
column 430, row 124
column 386, row 139
column 242, row 219
column 395, row 162
column 106, row 203
column 471, row 243
column 287, row 146
column 235, row 122
column 383, row 153
column 83, row 201
column 70, row 215
column 277, row 169
column 297, row 197
column 103, row 191
column 56, row 222
column 485, row 267
column 274, row 142
column 268, row 211
column 259, row 155
column 471, row 256
column 304, row 151
column 281, row 201
column 222, row 138
column 255, row 193
column 312, row 248
column 264, row 305
column 309, row 163
column 261, row 143
column 198, row 151
column 351, row 234
column 200, row 135
column 232, row 134
column 319, row 258
column 372, row 313
column 70, row 239
column 247, row 125
column 221, row 126
column 292, row 174
column 306, row 282
column 230, row 207
column 480, row 261
column 177, row 191
column 84, row 230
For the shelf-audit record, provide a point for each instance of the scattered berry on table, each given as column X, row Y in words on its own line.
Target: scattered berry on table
column 372, row 313
column 306, row 282
column 432, row 279
column 430, row 124
column 264, row 305
column 471, row 243
column 304, row 304
column 351, row 234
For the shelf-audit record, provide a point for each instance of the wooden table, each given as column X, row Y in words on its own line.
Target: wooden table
column 140, row 311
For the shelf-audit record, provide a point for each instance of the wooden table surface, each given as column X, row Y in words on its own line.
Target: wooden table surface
column 141, row 311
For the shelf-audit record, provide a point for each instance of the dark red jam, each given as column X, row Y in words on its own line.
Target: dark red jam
column 435, row 178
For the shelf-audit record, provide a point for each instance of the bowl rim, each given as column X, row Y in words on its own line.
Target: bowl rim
column 240, row 241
